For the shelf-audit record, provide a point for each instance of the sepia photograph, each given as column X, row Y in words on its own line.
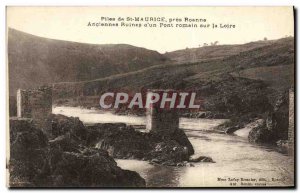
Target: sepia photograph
column 150, row 97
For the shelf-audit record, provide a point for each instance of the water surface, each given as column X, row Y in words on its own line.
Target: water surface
column 235, row 157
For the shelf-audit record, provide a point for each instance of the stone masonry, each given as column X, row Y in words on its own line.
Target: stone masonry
column 161, row 120
column 35, row 104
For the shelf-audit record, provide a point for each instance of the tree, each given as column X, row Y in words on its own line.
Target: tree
column 265, row 39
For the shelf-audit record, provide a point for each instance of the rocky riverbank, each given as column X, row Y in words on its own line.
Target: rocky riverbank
column 128, row 142
column 63, row 160
column 268, row 128
column 122, row 141
column 72, row 154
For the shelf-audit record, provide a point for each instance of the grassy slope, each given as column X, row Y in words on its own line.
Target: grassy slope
column 213, row 52
column 34, row 61
column 214, row 79
column 278, row 77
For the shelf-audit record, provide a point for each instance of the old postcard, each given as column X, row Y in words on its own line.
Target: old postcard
column 145, row 97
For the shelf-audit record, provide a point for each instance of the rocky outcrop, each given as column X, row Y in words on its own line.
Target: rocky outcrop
column 61, row 125
column 91, row 168
column 275, row 126
column 62, row 161
column 123, row 141
column 269, row 127
column 28, row 153
column 120, row 141
column 82, row 156
column 278, row 121
column 261, row 134
column 180, row 137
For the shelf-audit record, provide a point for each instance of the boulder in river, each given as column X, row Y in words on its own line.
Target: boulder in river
column 125, row 142
column 202, row 159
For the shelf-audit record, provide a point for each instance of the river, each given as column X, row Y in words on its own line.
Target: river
column 236, row 159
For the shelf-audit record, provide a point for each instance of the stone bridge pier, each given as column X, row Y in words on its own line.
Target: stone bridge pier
column 161, row 120
column 37, row 105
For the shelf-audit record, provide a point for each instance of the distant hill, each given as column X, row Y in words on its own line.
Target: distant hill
column 241, row 80
column 34, row 61
column 245, row 78
column 276, row 54
column 191, row 55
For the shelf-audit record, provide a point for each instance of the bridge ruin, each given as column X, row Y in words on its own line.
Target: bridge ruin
column 161, row 120
column 35, row 104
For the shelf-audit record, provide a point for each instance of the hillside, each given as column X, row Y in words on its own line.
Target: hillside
column 279, row 54
column 191, row 55
column 34, row 61
column 230, row 78
column 226, row 83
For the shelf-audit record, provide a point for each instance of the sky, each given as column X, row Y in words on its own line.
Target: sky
column 71, row 24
